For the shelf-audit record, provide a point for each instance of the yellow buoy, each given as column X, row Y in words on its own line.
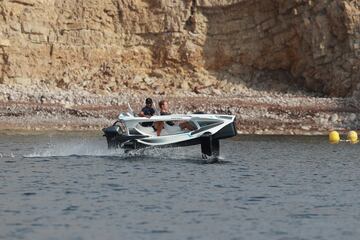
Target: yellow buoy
column 334, row 137
column 352, row 137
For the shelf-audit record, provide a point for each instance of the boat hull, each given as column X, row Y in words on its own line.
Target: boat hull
column 207, row 135
column 209, row 143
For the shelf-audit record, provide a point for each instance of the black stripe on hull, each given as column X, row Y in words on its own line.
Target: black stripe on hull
column 226, row 132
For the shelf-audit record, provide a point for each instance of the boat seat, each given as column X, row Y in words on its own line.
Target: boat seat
column 167, row 130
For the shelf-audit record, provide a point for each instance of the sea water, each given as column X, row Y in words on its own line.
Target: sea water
column 70, row 186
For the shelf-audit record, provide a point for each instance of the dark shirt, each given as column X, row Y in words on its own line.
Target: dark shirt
column 170, row 123
column 148, row 111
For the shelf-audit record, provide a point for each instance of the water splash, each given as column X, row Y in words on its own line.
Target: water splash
column 79, row 147
column 7, row 155
column 94, row 147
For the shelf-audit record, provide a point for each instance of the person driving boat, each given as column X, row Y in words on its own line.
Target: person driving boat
column 147, row 111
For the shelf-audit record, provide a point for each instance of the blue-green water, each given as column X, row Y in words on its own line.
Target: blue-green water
column 55, row 186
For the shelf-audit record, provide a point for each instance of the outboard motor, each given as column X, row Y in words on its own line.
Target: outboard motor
column 112, row 134
column 117, row 136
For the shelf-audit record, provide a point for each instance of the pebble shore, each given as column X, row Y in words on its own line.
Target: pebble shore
column 40, row 108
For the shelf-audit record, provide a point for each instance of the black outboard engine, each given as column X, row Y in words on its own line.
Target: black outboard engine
column 113, row 135
column 117, row 136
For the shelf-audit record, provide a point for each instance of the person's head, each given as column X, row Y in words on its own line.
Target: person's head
column 163, row 104
column 148, row 102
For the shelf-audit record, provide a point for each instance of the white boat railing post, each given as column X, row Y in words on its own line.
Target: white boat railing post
column 130, row 109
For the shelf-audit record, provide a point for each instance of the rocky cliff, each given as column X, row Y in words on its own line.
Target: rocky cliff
column 168, row 46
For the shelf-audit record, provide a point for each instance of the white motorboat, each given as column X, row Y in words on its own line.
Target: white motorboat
column 129, row 132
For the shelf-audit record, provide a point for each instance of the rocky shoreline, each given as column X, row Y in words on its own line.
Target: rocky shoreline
column 257, row 112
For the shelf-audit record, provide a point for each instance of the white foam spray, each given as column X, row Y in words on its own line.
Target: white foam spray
column 71, row 147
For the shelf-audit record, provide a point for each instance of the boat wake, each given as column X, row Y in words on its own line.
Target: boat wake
column 73, row 148
column 93, row 148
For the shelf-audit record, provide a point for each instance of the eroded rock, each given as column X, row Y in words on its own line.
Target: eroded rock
column 87, row 43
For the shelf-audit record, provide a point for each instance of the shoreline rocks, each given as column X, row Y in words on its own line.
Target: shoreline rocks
column 257, row 113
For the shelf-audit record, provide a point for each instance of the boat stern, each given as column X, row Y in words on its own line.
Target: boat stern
column 113, row 135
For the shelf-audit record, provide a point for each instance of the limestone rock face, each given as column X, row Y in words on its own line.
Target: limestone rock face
column 164, row 45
